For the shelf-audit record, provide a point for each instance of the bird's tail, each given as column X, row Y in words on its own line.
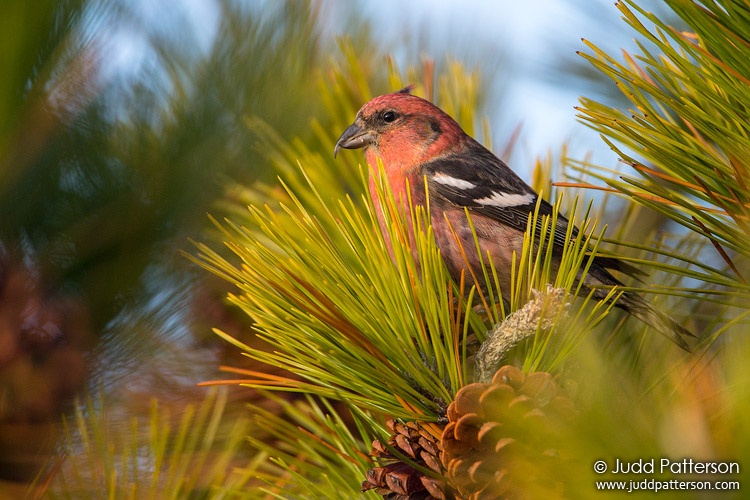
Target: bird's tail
column 659, row 320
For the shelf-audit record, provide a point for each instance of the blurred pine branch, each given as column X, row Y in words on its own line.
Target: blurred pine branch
column 163, row 455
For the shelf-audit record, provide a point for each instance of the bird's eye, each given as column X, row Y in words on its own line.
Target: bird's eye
column 389, row 116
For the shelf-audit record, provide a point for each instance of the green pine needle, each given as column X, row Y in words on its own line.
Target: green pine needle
column 687, row 134
column 359, row 320
column 162, row 456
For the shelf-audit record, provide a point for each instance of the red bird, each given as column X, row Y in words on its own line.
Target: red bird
column 415, row 140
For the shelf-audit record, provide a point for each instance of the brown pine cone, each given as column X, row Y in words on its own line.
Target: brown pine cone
column 412, row 468
column 504, row 439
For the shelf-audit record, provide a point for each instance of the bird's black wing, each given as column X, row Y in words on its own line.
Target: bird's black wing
column 481, row 182
column 484, row 184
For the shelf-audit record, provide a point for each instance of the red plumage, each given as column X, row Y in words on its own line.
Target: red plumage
column 415, row 140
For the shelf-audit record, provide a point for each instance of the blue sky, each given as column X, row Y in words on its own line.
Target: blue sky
column 520, row 48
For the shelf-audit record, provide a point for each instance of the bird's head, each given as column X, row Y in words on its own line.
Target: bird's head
column 401, row 129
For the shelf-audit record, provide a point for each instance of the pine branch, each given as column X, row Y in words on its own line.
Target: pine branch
column 161, row 456
column 687, row 134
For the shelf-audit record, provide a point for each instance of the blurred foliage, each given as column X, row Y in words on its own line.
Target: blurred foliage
column 28, row 32
column 125, row 162
column 158, row 455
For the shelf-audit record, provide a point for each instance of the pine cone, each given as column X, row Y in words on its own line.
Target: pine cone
column 43, row 339
column 410, row 448
column 504, row 438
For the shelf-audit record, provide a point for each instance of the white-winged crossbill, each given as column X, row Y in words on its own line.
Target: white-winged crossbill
column 420, row 145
